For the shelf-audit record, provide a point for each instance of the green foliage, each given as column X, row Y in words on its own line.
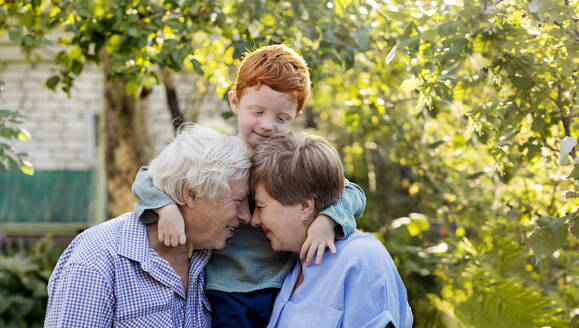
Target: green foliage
column 23, row 280
column 456, row 112
column 507, row 304
column 9, row 130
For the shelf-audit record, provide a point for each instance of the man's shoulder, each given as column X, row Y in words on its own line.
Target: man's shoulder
column 97, row 242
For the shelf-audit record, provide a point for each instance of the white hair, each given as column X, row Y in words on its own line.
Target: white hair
column 203, row 159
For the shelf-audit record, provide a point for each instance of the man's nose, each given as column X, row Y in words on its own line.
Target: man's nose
column 255, row 221
column 244, row 215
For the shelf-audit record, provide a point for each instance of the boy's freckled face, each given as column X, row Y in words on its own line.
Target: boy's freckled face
column 262, row 112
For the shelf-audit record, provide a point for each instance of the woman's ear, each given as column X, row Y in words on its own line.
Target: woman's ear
column 233, row 101
column 188, row 195
column 307, row 208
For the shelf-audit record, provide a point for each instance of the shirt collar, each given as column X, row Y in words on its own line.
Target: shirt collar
column 134, row 241
column 134, row 245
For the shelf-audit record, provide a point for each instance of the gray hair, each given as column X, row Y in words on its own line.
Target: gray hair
column 203, row 159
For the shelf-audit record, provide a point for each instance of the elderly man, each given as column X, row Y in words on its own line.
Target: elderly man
column 118, row 274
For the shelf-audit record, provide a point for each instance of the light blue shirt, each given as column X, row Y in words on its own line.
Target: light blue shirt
column 357, row 287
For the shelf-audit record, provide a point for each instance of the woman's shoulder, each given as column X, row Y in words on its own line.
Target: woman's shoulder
column 360, row 241
column 361, row 247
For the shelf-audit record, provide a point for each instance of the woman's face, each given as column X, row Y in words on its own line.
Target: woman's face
column 283, row 225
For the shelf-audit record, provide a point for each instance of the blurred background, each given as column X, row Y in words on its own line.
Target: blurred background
column 458, row 118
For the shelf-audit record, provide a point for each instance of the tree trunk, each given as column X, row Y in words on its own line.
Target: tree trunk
column 127, row 142
column 177, row 118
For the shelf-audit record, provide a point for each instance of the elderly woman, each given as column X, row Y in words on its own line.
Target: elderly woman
column 292, row 179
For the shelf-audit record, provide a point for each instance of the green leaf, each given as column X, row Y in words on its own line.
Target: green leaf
column 84, row 8
column 360, row 37
column 409, row 84
column 506, row 303
column 197, row 67
column 226, row 115
column 571, row 194
column 132, row 88
column 149, row 81
column 4, row 113
column 15, row 36
column 52, row 82
column 27, row 168
column 556, row 224
column 418, row 223
column 77, row 67
column 391, row 54
column 574, row 173
column 23, row 135
column 574, row 227
column 537, row 6
column 429, row 35
column 543, row 242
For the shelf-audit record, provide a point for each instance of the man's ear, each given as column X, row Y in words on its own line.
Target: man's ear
column 188, row 195
column 233, row 101
column 307, row 208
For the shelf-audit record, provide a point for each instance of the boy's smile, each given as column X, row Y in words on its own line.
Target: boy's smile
column 262, row 112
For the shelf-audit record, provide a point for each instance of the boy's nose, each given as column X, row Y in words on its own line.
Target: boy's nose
column 266, row 124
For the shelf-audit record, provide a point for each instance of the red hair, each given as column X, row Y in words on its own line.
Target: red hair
column 280, row 68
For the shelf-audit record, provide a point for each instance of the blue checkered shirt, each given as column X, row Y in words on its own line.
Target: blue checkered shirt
column 110, row 277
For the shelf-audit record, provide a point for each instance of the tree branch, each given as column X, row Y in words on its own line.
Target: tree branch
column 547, row 145
column 565, row 119
column 177, row 117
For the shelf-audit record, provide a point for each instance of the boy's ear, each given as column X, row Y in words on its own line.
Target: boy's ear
column 299, row 114
column 233, row 101
column 188, row 195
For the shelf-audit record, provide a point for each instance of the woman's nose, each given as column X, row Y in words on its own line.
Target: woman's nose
column 255, row 221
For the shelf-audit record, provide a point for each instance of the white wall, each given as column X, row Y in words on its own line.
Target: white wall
column 63, row 130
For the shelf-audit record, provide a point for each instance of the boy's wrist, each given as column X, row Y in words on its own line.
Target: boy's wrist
column 165, row 208
column 328, row 219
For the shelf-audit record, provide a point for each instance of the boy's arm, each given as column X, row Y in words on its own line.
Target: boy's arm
column 346, row 211
column 150, row 198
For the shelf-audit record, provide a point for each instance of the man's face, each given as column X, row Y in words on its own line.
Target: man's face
column 261, row 113
column 210, row 223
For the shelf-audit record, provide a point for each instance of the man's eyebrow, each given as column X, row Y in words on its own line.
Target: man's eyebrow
column 242, row 194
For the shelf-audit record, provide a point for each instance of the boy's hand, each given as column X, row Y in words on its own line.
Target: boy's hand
column 320, row 235
column 171, row 228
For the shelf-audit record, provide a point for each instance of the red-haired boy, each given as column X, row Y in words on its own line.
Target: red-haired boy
column 242, row 280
